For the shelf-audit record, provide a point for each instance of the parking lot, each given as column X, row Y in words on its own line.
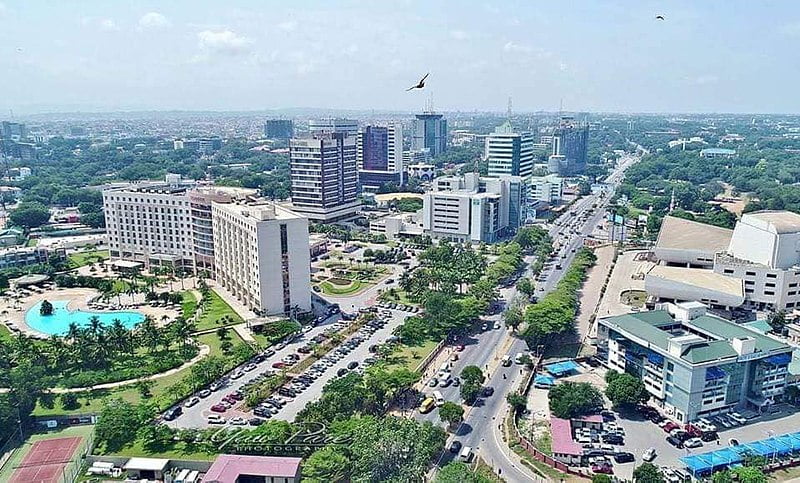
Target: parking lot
column 354, row 349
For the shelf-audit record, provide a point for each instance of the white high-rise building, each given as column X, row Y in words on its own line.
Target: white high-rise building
column 509, row 153
column 547, row 189
column 261, row 256
column 346, row 126
column 162, row 224
column 467, row 208
column 324, row 176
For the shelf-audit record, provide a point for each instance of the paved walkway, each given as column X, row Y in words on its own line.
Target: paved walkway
column 592, row 287
column 628, row 274
column 244, row 332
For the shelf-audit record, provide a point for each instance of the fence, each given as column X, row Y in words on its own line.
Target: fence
column 12, row 444
column 58, row 421
column 70, row 471
column 423, row 365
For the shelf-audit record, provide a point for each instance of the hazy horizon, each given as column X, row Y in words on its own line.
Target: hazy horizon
column 91, row 56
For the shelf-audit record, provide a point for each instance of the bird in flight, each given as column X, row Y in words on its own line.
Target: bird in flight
column 421, row 83
column 660, row 17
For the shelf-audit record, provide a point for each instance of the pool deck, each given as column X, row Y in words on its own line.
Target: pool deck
column 13, row 311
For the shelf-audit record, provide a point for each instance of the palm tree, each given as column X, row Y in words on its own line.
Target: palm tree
column 119, row 337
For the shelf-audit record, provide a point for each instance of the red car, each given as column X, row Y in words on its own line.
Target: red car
column 459, row 347
column 236, row 396
column 606, row 469
column 670, row 426
column 693, row 431
column 279, row 365
column 218, row 408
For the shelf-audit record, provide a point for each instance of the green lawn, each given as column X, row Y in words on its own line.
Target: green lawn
column 400, row 296
column 16, row 458
column 409, row 357
column 215, row 310
column 85, row 258
column 189, row 305
column 5, row 334
column 32, row 242
column 178, row 451
column 329, row 288
column 93, row 401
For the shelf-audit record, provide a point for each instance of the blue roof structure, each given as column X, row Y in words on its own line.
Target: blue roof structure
column 728, row 457
column 563, row 368
column 544, row 380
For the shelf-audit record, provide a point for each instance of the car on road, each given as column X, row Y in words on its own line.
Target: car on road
column 497, row 325
column 427, row 405
column 455, row 446
column 506, row 361
column 191, row 401
column 172, row 413
column 459, row 347
column 488, row 391
column 433, row 382
column 649, row 454
column 219, row 408
column 485, row 327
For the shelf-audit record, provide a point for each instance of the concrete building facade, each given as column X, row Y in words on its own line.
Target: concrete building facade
column 261, row 256
column 430, row 132
column 509, row 153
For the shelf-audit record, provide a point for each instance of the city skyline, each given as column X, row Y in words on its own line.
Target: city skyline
column 594, row 56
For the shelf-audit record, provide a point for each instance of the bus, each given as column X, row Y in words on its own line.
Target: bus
column 427, row 405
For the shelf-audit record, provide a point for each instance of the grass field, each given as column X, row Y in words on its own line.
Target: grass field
column 189, row 305
column 215, row 310
column 409, row 357
column 85, row 258
column 5, row 334
column 19, row 454
column 178, row 451
column 329, row 288
column 93, row 401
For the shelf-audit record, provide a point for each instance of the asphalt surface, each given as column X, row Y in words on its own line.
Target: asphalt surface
column 480, row 429
column 196, row 416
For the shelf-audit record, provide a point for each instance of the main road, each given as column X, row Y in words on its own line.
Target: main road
column 481, row 428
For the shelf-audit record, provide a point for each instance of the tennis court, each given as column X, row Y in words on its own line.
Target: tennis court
column 45, row 460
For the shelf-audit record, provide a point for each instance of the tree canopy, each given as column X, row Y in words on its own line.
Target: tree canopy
column 572, row 399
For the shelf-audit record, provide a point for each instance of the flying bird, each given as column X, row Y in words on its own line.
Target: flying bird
column 660, row 17
column 421, row 83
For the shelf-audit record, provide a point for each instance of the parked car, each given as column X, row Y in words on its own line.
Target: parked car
column 455, row 446
column 649, row 454
column 693, row 443
column 709, row 436
column 192, row 401
column 219, row 408
column 352, row 365
column 676, row 442
column 173, row 413
column 215, row 419
column 605, row 469
column 204, row 393
column 279, row 365
column 623, row 457
column 488, row 391
column 255, row 421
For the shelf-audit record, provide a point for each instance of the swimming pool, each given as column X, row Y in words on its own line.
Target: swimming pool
column 58, row 322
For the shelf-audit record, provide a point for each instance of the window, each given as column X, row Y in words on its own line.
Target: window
column 770, row 284
column 772, row 275
column 728, row 271
column 749, row 282
column 750, row 274
column 769, row 292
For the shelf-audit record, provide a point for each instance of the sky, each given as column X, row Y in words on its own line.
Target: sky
column 587, row 55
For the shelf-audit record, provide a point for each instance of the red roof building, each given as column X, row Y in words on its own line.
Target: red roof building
column 229, row 468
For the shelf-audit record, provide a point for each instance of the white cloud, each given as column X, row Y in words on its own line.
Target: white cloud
column 154, row 20
column 224, row 42
column 705, row 79
column 514, row 47
column 458, row 35
column 3, row 8
column 105, row 24
column 288, row 26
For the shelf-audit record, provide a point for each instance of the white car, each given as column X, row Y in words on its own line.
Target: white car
column 237, row 375
column 693, row 443
column 191, row 401
column 238, row 421
column 649, row 455
column 215, row 419
column 249, row 367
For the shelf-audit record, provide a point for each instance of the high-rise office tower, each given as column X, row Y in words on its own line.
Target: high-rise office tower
column 570, row 144
column 347, row 126
column 13, row 130
column 430, row 131
column 324, row 176
column 509, row 153
column 279, row 129
column 380, row 156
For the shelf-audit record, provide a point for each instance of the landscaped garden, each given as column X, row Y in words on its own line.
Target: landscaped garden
column 342, row 278
column 80, row 259
column 214, row 312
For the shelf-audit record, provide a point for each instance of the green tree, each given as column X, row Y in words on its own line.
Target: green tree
column 457, row 472
column 413, row 331
column 626, row 390
column 572, row 399
column 517, row 401
column 471, row 380
column 46, row 308
column 451, row 413
column 526, row 286
column 118, row 423
column 30, row 215
column 601, row 478
column 777, row 321
column 329, row 464
column 647, row 473
column 513, row 317
column 69, row 401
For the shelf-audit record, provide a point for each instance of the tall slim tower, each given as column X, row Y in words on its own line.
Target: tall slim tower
column 430, row 131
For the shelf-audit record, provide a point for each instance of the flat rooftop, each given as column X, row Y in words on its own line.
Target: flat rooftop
column 699, row 277
column 657, row 327
column 227, row 468
column 679, row 234
column 779, row 221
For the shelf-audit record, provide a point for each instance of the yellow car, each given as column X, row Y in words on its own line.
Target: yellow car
column 427, row 405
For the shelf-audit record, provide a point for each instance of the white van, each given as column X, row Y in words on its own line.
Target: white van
column 444, row 379
column 518, row 357
column 437, row 396
column 466, row 454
